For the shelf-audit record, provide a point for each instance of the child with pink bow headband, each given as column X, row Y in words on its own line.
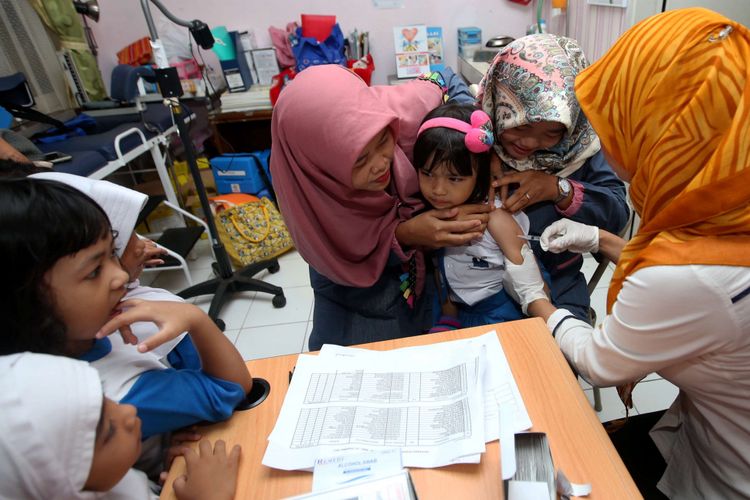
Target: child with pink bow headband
column 452, row 157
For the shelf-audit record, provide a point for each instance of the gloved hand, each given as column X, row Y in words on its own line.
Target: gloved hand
column 565, row 234
column 524, row 282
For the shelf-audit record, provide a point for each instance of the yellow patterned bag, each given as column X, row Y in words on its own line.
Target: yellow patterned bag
column 252, row 231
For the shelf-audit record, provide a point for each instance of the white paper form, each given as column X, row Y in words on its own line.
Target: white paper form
column 432, row 411
column 500, row 388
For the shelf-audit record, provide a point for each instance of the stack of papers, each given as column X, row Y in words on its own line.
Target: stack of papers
column 256, row 98
column 438, row 403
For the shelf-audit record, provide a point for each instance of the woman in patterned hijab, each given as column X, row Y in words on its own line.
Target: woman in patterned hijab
column 671, row 103
column 550, row 153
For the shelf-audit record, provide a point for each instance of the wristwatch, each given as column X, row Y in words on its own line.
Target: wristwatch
column 564, row 188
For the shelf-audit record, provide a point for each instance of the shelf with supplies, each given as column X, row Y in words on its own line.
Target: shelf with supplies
column 243, row 122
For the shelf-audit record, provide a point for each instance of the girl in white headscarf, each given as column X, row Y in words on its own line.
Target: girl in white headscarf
column 49, row 446
column 61, row 439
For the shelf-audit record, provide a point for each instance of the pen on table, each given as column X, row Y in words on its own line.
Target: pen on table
column 529, row 237
column 291, row 374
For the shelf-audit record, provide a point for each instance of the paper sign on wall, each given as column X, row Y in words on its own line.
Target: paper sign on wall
column 412, row 54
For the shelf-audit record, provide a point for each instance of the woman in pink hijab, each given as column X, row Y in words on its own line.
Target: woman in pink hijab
column 341, row 168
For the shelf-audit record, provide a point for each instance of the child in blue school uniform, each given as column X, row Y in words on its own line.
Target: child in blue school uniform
column 123, row 206
column 63, row 295
column 452, row 157
column 61, row 438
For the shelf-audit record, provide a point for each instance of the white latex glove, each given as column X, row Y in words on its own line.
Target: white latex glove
column 565, row 234
column 524, row 282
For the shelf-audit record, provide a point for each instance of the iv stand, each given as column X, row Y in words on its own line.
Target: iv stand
column 226, row 281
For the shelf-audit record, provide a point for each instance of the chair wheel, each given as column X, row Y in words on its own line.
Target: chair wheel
column 220, row 323
column 279, row 301
column 274, row 268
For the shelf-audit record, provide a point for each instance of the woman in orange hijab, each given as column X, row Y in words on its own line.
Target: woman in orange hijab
column 671, row 104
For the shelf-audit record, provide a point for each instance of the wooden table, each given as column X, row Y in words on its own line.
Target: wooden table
column 553, row 398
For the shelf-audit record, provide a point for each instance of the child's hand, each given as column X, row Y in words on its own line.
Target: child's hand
column 172, row 318
column 152, row 254
column 177, row 448
column 211, row 474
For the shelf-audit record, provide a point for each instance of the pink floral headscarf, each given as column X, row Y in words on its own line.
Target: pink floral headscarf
column 530, row 81
column 321, row 123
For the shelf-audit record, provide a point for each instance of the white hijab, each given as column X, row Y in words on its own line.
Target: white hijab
column 50, row 408
column 122, row 205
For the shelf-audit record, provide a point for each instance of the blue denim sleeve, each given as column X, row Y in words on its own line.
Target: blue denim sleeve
column 458, row 91
column 604, row 196
column 171, row 399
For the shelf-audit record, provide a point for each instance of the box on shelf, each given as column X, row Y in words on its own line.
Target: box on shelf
column 469, row 41
column 467, row 51
column 185, row 186
column 240, row 173
column 469, row 35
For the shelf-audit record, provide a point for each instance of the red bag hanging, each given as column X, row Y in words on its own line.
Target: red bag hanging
column 278, row 82
column 363, row 72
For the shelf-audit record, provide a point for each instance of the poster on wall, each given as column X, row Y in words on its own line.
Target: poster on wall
column 412, row 54
column 435, row 47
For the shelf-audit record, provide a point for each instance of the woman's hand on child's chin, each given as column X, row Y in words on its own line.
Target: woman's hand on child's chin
column 444, row 228
column 211, row 473
column 172, row 318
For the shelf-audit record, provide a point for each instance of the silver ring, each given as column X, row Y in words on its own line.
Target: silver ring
column 527, row 196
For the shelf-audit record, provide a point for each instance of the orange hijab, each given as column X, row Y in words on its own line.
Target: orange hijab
column 671, row 104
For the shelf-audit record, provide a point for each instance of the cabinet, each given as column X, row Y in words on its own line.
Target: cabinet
column 241, row 131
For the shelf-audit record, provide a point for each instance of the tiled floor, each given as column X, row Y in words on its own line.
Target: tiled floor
column 259, row 330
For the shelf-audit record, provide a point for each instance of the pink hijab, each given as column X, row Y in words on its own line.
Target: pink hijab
column 321, row 123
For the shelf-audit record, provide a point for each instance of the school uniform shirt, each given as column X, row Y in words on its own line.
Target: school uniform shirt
column 166, row 398
column 176, row 353
column 133, row 486
column 475, row 271
column 691, row 325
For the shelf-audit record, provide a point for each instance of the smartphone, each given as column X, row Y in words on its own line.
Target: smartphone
column 55, row 157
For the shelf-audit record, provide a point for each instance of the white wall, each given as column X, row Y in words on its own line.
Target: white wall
column 737, row 10
column 122, row 22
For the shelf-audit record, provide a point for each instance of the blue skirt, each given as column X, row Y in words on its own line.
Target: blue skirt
column 346, row 315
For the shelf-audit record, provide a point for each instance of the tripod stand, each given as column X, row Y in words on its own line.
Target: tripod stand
column 226, row 280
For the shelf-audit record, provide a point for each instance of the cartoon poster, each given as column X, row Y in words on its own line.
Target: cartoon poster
column 435, row 47
column 412, row 55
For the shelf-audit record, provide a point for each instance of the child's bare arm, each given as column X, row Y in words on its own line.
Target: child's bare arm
column 219, row 357
column 505, row 230
column 211, row 473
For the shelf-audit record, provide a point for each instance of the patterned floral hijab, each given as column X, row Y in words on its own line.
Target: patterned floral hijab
column 531, row 81
column 671, row 101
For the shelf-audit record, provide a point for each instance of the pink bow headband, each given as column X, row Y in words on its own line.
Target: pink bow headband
column 479, row 137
